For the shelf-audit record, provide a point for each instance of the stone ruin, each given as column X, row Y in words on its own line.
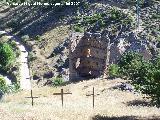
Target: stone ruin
column 88, row 53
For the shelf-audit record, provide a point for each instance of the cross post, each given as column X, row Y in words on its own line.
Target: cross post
column 93, row 94
column 32, row 97
column 93, row 97
column 62, row 93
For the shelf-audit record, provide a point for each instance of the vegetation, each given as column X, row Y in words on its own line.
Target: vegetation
column 38, row 38
column 102, row 20
column 31, row 56
column 3, row 85
column 145, row 75
column 8, row 88
column 57, row 81
column 142, row 3
column 114, row 70
column 7, row 56
column 25, row 38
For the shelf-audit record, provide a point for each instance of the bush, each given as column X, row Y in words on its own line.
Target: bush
column 3, row 85
column 4, row 88
column 78, row 28
column 15, row 87
column 114, row 71
column 25, row 38
column 145, row 75
column 57, row 81
column 38, row 38
column 7, row 56
column 15, row 48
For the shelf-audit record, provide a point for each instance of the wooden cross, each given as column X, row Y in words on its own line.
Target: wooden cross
column 31, row 97
column 93, row 97
column 62, row 93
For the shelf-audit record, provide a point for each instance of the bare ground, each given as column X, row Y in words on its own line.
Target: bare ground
column 110, row 103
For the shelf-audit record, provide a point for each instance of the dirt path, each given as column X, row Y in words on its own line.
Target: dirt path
column 25, row 83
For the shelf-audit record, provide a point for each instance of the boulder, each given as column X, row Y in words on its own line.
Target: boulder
column 126, row 86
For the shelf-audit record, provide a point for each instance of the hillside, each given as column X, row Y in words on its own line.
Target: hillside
column 40, row 37
column 45, row 28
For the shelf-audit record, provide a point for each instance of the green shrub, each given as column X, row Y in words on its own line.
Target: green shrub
column 3, row 85
column 114, row 70
column 116, row 14
column 25, row 38
column 38, row 38
column 130, row 62
column 7, row 56
column 145, row 75
column 102, row 20
column 57, row 81
column 78, row 28
column 13, row 44
column 15, row 48
column 15, row 87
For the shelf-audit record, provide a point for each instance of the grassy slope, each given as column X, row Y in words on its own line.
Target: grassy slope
column 108, row 102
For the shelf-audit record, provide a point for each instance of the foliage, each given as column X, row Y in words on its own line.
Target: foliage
column 57, row 81
column 129, row 62
column 7, row 56
column 15, row 48
column 15, row 87
column 3, row 85
column 142, row 3
column 78, row 28
column 145, row 75
column 31, row 56
column 102, row 20
column 38, row 38
column 8, row 88
column 114, row 70
column 25, row 38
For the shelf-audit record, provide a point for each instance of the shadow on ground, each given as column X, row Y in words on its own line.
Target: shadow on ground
column 140, row 103
column 98, row 117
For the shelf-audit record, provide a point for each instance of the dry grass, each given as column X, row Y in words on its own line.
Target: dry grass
column 78, row 106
